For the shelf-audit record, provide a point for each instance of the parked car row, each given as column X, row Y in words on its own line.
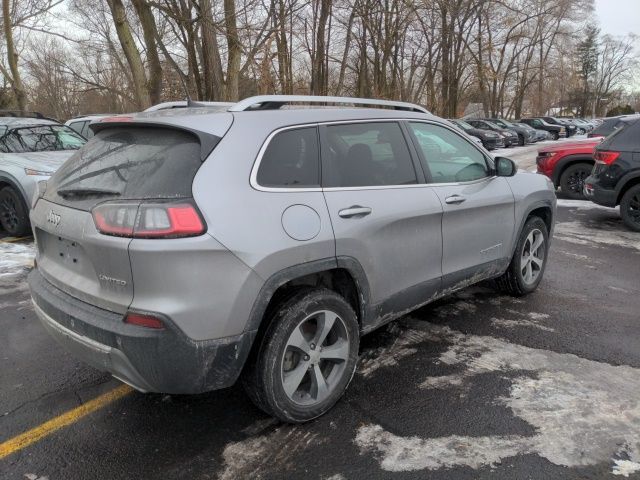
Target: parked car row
column 500, row 133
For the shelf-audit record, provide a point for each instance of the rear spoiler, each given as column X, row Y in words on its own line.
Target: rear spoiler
column 207, row 141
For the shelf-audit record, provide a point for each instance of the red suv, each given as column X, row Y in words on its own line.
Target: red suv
column 568, row 165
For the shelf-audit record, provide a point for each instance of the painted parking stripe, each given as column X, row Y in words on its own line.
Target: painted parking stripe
column 47, row 428
column 13, row 239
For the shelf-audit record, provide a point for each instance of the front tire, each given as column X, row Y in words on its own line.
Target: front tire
column 14, row 214
column 307, row 357
column 555, row 135
column 529, row 260
column 572, row 180
column 630, row 208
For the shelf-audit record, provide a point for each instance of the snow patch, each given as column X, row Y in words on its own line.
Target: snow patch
column 625, row 467
column 582, row 410
column 248, row 458
column 582, row 234
column 15, row 258
column 510, row 323
column 583, row 205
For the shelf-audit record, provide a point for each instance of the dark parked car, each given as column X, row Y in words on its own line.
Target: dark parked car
column 610, row 125
column 510, row 137
column 570, row 127
column 490, row 140
column 524, row 135
column 615, row 179
column 556, row 131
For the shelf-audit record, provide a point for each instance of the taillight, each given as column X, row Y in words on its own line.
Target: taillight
column 148, row 220
column 146, row 321
column 605, row 157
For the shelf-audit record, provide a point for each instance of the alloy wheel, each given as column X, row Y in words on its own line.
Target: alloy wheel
column 532, row 258
column 315, row 358
column 634, row 208
column 9, row 213
column 575, row 181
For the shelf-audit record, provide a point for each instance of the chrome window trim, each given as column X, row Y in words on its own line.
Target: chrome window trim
column 253, row 178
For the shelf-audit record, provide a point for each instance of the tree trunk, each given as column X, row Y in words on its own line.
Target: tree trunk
column 12, row 58
column 211, row 62
column 123, row 29
column 150, row 32
column 234, row 50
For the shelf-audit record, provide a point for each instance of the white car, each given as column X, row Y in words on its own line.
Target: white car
column 81, row 124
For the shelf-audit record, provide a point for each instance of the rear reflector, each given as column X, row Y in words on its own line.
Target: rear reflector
column 146, row 321
column 605, row 157
column 148, row 220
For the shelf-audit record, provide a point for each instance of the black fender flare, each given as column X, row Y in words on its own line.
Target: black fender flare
column 564, row 162
column 278, row 279
column 624, row 181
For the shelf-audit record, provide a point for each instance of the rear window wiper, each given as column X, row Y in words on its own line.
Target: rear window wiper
column 86, row 192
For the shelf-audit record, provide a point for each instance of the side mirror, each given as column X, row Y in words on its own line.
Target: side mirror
column 505, row 167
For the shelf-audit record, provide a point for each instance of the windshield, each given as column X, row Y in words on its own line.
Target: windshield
column 464, row 124
column 504, row 123
column 40, row 138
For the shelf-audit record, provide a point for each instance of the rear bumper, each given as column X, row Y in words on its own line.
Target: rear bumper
column 164, row 361
column 602, row 196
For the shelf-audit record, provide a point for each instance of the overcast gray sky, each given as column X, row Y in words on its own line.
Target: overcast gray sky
column 619, row 17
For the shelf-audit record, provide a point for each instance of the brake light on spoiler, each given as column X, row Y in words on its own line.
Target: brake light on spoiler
column 148, row 219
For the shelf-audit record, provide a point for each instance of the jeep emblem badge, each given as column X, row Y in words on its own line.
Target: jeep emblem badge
column 53, row 217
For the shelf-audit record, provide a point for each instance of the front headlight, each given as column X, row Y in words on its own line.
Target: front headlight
column 37, row 173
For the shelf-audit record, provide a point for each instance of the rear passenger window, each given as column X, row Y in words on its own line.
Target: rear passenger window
column 367, row 155
column 291, row 160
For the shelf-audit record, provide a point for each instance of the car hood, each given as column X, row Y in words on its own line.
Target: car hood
column 586, row 146
column 45, row 161
column 480, row 132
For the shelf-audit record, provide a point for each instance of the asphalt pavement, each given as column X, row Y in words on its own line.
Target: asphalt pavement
column 478, row 385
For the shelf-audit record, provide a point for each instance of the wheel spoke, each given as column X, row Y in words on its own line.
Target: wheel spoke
column 325, row 324
column 319, row 387
column 539, row 240
column 292, row 379
column 537, row 261
column 297, row 340
column 528, row 276
column 337, row 351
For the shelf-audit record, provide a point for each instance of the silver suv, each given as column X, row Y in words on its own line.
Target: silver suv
column 184, row 251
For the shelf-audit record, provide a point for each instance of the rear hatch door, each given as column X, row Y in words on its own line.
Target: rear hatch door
column 122, row 163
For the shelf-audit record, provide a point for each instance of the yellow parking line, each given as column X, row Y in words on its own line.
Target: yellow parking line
column 13, row 239
column 38, row 433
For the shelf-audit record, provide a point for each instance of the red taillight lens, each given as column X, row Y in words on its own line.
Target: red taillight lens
column 148, row 220
column 605, row 157
column 146, row 321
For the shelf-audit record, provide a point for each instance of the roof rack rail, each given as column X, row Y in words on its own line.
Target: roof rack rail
column 274, row 102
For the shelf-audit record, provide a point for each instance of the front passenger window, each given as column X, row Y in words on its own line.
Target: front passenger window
column 449, row 157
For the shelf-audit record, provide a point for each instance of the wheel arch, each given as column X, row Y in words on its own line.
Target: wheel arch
column 542, row 209
column 566, row 162
column 343, row 275
column 628, row 181
column 8, row 180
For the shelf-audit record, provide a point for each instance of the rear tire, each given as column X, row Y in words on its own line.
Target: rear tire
column 521, row 141
column 572, row 180
column 14, row 214
column 556, row 135
column 529, row 260
column 306, row 358
column 630, row 208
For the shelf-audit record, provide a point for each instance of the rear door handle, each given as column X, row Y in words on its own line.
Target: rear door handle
column 454, row 199
column 354, row 211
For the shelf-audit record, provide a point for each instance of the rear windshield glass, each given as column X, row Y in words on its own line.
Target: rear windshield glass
column 128, row 163
column 40, row 138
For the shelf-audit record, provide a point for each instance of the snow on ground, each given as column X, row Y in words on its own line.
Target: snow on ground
column 585, row 412
column 15, row 258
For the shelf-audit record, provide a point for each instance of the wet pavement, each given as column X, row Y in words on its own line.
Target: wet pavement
column 478, row 385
